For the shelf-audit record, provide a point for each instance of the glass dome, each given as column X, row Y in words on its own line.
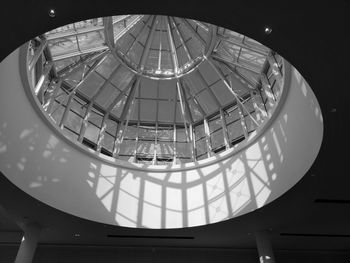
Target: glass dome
column 153, row 89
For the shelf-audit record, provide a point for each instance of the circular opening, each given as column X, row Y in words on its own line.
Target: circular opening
column 154, row 89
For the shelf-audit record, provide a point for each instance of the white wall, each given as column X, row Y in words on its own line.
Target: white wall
column 35, row 158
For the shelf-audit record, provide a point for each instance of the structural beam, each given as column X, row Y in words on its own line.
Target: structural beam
column 85, row 122
column 172, row 47
column 51, row 93
column 72, row 92
column 126, row 110
column 81, row 31
column 268, row 91
column 47, row 68
column 109, row 32
column 224, row 129
column 148, row 44
column 186, row 115
column 38, row 53
column 194, row 32
column 174, row 125
column 242, row 45
column 72, row 69
column 235, row 64
column 105, row 83
column 229, row 87
column 249, row 84
column 207, row 137
column 182, row 40
column 66, row 112
column 81, row 53
column 275, row 68
column 139, row 35
column 204, row 83
column 194, row 99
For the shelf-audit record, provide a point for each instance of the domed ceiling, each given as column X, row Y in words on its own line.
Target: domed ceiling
column 153, row 89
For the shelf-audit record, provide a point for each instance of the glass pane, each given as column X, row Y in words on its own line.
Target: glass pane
column 146, row 147
column 57, row 115
column 111, row 127
column 199, row 131
column 95, row 118
column 217, row 139
column 73, row 122
column 131, row 132
column 183, row 149
column 63, row 46
column 127, row 147
column 181, row 135
column 201, row 147
column 165, row 134
column 165, row 148
column 235, row 131
column 91, row 133
column 91, row 40
column 215, row 124
column 91, row 84
column 108, row 142
column 147, row 133
column 78, row 107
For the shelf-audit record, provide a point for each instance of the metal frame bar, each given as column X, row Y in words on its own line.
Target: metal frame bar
column 80, row 53
column 203, row 81
column 235, row 64
column 50, row 100
column 224, row 129
column 105, row 83
column 38, row 53
column 194, row 99
column 229, row 86
column 109, row 33
column 182, row 40
column 243, row 123
column 194, row 32
column 240, row 77
column 242, row 45
column 58, row 35
column 138, row 36
column 101, row 133
column 126, row 110
column 186, row 115
column 172, row 47
column 71, row 69
column 154, row 161
column 73, row 91
column 66, row 112
column 85, row 122
column 275, row 68
column 126, row 29
column 44, row 74
column 174, row 125
column 148, row 44
column 267, row 87
column 188, row 111
column 207, row 137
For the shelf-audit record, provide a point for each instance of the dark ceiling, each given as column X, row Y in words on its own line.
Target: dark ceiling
column 315, row 214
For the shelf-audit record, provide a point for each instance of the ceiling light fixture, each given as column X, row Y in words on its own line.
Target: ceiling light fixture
column 267, row 30
column 52, row 12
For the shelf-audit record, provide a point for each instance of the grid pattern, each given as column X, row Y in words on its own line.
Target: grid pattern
column 144, row 89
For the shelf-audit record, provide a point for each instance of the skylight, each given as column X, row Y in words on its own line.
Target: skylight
column 154, row 89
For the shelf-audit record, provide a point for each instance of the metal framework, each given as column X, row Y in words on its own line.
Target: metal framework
column 175, row 140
